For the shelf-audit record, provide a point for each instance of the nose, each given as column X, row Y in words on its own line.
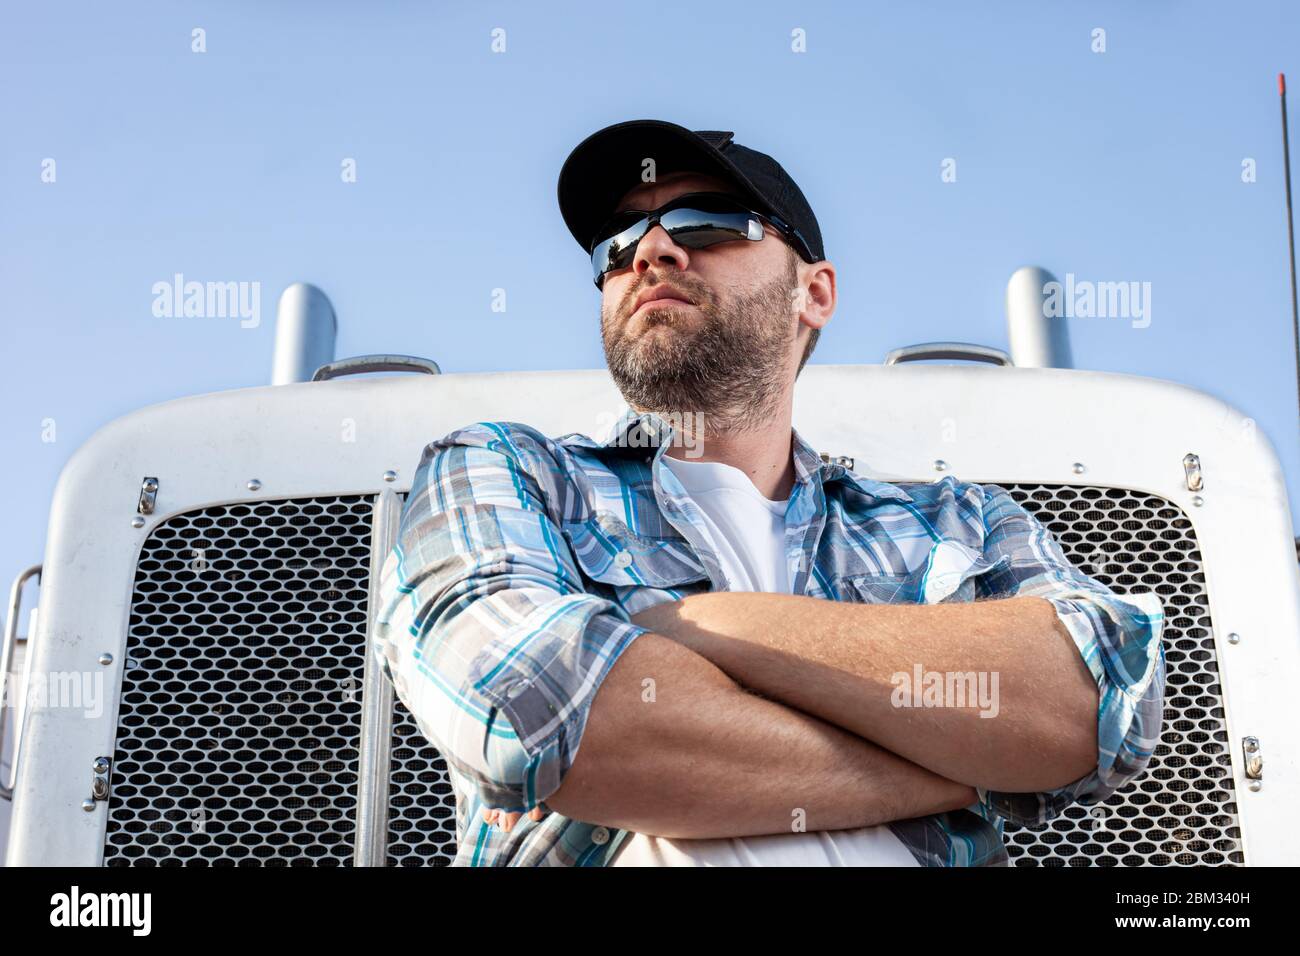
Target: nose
column 657, row 248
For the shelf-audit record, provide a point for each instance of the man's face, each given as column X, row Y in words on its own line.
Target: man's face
column 717, row 334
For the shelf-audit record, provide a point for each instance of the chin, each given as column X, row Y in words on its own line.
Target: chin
column 660, row 342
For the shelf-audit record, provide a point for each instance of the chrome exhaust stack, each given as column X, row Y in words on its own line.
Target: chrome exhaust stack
column 305, row 329
column 1037, row 340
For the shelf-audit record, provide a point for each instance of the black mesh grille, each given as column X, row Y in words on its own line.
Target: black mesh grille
column 1182, row 811
column 421, row 804
column 238, row 728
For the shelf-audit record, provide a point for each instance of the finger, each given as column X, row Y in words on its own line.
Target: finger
column 535, row 813
column 511, row 820
column 489, row 815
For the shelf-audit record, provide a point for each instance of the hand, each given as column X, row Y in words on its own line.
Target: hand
column 507, row 821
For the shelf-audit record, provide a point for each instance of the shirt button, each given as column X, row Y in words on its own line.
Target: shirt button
column 622, row 559
column 600, row 836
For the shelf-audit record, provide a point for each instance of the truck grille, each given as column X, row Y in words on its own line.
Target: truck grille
column 421, row 802
column 239, row 720
column 238, row 730
column 1182, row 811
column 240, row 715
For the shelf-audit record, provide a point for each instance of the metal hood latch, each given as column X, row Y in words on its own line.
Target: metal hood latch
column 148, row 494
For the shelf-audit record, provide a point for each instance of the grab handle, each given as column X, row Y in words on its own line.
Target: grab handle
column 949, row 350
column 6, row 656
column 360, row 364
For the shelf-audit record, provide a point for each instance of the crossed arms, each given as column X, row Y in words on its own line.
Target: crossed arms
column 714, row 717
column 830, row 739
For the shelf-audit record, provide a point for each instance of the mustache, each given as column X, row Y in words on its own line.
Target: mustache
column 699, row 297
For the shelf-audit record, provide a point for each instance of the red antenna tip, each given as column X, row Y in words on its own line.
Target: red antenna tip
column 1281, row 84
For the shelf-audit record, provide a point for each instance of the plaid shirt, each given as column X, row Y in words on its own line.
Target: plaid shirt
column 520, row 560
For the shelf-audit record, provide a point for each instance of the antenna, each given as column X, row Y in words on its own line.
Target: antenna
column 1290, row 227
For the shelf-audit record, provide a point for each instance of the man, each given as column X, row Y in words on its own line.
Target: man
column 684, row 645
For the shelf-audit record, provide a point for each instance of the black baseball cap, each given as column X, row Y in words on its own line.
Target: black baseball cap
column 604, row 166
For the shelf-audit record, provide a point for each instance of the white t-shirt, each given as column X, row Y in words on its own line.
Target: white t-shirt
column 747, row 531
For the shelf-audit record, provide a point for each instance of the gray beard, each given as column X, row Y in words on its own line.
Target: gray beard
column 731, row 369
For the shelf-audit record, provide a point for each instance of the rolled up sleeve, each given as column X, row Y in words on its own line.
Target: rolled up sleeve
column 1118, row 637
column 484, row 627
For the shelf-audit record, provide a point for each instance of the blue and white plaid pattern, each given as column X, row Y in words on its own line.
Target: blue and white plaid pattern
column 520, row 560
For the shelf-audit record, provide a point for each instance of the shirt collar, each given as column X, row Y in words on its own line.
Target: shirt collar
column 649, row 430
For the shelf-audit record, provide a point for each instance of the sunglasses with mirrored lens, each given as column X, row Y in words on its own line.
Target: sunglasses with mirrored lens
column 693, row 220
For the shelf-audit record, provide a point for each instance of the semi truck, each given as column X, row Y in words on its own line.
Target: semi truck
column 195, row 684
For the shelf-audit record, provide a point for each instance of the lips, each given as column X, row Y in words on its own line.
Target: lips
column 661, row 296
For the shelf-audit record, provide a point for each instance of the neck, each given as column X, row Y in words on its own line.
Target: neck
column 763, row 450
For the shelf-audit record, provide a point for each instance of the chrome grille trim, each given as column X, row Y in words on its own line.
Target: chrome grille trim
column 376, row 702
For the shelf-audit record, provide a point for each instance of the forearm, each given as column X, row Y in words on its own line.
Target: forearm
column 674, row 747
column 838, row 661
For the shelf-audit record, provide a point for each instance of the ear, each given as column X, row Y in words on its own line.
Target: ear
column 813, row 298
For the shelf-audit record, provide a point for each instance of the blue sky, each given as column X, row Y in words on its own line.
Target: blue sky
column 225, row 166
